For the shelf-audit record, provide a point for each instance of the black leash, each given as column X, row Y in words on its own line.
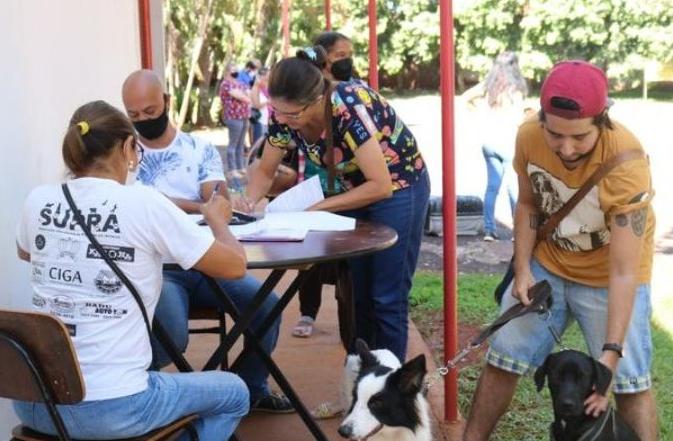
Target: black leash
column 541, row 302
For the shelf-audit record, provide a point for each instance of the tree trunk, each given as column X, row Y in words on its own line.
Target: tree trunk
column 196, row 52
column 205, row 66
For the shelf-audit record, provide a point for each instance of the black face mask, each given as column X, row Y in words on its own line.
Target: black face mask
column 153, row 128
column 342, row 70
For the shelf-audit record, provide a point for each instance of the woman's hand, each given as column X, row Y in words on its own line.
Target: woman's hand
column 243, row 203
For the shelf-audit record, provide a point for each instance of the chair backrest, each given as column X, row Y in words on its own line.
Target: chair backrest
column 40, row 340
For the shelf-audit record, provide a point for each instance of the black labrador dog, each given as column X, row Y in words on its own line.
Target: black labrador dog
column 573, row 376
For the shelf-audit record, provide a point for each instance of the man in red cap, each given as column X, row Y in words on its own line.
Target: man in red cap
column 598, row 259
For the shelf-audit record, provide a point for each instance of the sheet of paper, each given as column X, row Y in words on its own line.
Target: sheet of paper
column 299, row 197
column 310, row 221
column 261, row 232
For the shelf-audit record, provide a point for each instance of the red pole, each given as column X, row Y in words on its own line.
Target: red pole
column 145, row 34
column 285, row 18
column 449, row 208
column 373, row 48
column 328, row 15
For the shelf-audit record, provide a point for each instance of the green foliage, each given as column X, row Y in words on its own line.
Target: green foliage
column 530, row 412
column 622, row 35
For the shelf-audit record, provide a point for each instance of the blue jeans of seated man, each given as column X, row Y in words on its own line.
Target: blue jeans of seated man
column 219, row 398
column 238, row 129
column 499, row 170
column 382, row 280
column 182, row 289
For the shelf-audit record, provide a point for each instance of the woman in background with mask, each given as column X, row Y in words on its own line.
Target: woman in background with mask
column 236, row 104
column 339, row 61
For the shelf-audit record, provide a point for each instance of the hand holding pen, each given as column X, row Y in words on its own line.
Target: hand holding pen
column 217, row 209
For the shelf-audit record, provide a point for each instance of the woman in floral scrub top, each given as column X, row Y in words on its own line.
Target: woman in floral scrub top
column 377, row 164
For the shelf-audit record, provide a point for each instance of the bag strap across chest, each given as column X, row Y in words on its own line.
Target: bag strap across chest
column 552, row 222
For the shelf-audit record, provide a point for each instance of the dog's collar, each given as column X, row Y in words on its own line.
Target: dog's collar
column 596, row 429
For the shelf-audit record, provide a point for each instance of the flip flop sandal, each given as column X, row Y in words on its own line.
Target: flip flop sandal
column 304, row 327
column 327, row 410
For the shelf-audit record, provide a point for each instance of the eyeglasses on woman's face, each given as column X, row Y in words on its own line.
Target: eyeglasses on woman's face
column 293, row 115
column 138, row 149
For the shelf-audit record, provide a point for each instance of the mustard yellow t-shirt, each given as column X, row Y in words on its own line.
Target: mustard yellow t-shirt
column 578, row 249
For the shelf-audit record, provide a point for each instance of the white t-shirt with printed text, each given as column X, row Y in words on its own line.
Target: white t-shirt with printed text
column 179, row 169
column 139, row 228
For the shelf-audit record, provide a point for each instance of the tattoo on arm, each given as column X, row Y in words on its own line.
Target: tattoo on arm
column 638, row 221
column 621, row 220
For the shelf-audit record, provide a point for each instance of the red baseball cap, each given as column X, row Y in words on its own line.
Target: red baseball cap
column 579, row 81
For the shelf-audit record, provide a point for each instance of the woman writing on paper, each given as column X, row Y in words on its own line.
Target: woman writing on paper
column 353, row 132
column 109, row 334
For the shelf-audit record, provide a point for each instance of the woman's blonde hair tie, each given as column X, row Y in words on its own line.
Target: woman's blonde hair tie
column 83, row 127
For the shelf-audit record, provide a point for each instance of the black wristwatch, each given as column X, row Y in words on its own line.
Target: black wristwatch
column 616, row 347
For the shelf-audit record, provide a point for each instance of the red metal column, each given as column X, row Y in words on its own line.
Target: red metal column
column 145, row 34
column 373, row 48
column 285, row 18
column 449, row 208
column 328, row 15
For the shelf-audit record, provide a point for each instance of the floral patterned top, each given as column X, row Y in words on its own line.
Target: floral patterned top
column 231, row 107
column 359, row 114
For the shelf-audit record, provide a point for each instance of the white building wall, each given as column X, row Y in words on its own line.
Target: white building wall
column 56, row 55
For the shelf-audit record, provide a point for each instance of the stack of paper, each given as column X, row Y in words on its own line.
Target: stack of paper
column 286, row 220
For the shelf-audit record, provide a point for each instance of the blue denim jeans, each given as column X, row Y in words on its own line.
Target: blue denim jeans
column 382, row 281
column 499, row 170
column 238, row 129
column 524, row 343
column 258, row 130
column 182, row 289
column 219, row 398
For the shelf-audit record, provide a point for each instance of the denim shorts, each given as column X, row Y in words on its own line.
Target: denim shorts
column 523, row 344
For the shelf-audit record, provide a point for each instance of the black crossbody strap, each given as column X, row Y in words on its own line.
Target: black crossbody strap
column 134, row 292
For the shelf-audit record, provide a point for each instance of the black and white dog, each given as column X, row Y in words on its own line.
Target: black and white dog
column 572, row 377
column 384, row 399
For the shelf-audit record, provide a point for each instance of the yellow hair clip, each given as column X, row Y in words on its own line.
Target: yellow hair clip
column 83, row 127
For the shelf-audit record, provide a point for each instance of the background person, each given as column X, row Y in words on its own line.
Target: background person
column 236, row 102
column 339, row 55
column 598, row 260
column 259, row 94
column 186, row 169
column 122, row 399
column 504, row 90
column 380, row 168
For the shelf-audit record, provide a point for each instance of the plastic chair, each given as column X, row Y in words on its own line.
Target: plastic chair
column 39, row 365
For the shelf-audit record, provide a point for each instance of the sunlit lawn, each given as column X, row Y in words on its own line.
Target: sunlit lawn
column 530, row 413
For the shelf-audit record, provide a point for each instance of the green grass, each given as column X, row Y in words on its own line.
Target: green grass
column 530, row 412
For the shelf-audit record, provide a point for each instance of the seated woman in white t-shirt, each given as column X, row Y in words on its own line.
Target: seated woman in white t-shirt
column 72, row 282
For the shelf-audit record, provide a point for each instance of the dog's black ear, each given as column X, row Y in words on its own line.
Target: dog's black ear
column 541, row 374
column 410, row 375
column 366, row 357
column 602, row 376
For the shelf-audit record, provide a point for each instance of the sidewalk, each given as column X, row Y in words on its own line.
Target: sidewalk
column 313, row 367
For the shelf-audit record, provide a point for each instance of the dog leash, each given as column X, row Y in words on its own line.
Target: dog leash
column 541, row 301
column 596, row 430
